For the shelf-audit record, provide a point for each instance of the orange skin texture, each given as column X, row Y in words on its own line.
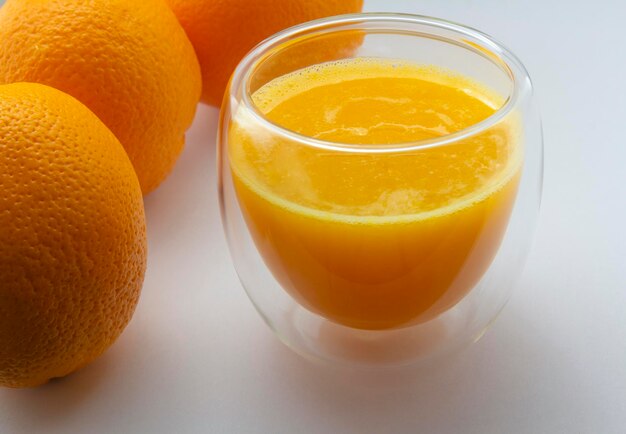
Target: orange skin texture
column 130, row 62
column 72, row 235
column 223, row 31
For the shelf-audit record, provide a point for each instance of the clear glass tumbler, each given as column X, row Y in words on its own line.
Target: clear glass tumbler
column 381, row 284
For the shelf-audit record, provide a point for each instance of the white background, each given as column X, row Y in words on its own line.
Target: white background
column 197, row 358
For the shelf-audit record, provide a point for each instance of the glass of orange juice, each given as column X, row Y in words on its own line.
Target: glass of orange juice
column 380, row 177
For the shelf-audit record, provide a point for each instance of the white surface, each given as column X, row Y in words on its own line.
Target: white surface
column 197, row 358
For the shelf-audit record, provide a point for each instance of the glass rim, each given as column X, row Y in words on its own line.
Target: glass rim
column 489, row 48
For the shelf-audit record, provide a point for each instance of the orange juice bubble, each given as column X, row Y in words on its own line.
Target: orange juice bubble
column 363, row 237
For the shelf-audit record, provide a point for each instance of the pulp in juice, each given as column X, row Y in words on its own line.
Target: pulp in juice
column 386, row 229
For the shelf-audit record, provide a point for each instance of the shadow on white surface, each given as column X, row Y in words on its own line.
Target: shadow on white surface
column 170, row 207
column 49, row 406
column 468, row 390
column 487, row 379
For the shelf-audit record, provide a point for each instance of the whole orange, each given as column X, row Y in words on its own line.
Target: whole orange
column 130, row 62
column 72, row 235
column 223, row 31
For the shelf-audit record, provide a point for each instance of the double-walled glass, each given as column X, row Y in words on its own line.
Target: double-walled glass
column 367, row 287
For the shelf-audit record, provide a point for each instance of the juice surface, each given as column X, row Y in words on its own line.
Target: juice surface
column 375, row 240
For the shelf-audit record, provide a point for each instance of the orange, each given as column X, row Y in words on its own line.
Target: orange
column 72, row 235
column 130, row 62
column 223, row 31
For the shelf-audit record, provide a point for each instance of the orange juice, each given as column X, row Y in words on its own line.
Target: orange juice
column 375, row 233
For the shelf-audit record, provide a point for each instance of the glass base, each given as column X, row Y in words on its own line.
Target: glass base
column 320, row 340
